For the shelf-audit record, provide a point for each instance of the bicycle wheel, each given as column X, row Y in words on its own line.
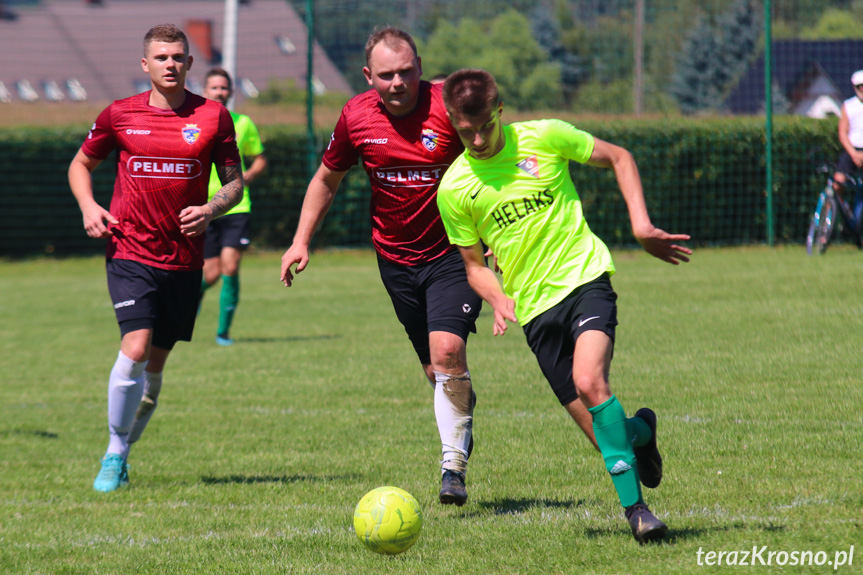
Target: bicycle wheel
column 822, row 224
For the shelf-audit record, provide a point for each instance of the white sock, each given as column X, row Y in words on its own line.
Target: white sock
column 152, row 387
column 453, row 407
column 125, row 388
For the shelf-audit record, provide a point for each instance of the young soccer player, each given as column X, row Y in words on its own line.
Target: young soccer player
column 512, row 190
column 166, row 139
column 228, row 237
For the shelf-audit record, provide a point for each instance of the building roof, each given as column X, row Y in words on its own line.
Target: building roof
column 49, row 43
column 796, row 63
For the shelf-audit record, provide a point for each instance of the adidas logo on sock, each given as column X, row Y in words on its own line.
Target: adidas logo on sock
column 619, row 468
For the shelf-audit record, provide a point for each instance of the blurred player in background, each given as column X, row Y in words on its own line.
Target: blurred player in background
column 400, row 132
column 228, row 236
column 166, row 139
column 512, row 190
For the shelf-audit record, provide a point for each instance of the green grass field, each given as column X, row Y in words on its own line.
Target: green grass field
column 258, row 453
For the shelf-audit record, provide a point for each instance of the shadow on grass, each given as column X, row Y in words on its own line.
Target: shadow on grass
column 674, row 536
column 510, row 506
column 322, row 337
column 34, row 432
column 285, row 479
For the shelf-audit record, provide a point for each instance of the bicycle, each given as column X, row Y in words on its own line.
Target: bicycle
column 830, row 205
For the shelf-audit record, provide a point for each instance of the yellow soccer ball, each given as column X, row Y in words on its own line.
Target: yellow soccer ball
column 388, row 520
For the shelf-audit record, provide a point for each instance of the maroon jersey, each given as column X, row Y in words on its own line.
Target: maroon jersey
column 164, row 159
column 405, row 158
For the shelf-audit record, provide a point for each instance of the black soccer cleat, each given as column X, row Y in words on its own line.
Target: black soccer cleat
column 646, row 528
column 647, row 456
column 452, row 488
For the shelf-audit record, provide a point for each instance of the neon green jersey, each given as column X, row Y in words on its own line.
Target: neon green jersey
column 522, row 203
column 249, row 144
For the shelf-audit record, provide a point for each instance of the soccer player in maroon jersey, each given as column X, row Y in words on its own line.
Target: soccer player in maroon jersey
column 400, row 131
column 166, row 139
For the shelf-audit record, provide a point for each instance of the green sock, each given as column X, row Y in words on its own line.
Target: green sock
column 638, row 430
column 228, row 303
column 610, row 427
column 204, row 287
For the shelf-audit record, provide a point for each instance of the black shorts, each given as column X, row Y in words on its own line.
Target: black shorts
column 231, row 231
column 152, row 298
column 433, row 296
column 846, row 164
column 552, row 334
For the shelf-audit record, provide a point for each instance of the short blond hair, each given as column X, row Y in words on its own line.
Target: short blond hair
column 166, row 33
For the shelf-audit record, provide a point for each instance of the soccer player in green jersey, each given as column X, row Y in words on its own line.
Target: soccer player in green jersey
column 228, row 236
column 512, row 190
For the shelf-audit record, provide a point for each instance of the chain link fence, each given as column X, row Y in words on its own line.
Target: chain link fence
column 721, row 133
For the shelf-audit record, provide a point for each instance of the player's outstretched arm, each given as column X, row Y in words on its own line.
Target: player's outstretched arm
column 655, row 241
column 319, row 197
column 483, row 281
column 81, row 183
column 195, row 219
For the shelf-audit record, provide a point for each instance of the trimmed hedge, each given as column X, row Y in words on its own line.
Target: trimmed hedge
column 701, row 177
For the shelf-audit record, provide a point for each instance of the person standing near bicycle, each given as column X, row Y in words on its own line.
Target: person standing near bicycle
column 850, row 134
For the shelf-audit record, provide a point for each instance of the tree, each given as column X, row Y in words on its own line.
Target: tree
column 443, row 52
column 834, row 24
column 342, row 30
column 606, row 98
column 505, row 47
column 546, row 29
column 715, row 56
column 692, row 83
column 739, row 31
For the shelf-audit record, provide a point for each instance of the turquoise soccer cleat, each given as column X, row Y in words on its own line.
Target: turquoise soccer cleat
column 224, row 341
column 113, row 475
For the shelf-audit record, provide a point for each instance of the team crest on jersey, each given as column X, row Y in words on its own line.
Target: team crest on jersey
column 530, row 165
column 430, row 139
column 191, row 133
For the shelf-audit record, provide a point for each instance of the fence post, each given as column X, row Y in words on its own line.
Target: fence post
column 229, row 47
column 768, row 112
column 311, row 155
column 638, row 49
